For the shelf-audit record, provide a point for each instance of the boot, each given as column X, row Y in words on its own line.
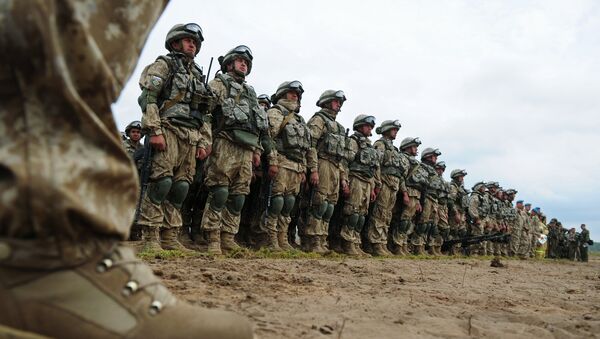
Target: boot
column 348, row 248
column 228, row 243
column 360, row 252
column 150, row 239
column 320, row 242
column 185, row 237
column 282, row 239
column 419, row 249
column 437, row 249
column 404, row 249
column 106, row 294
column 169, row 240
column 272, row 242
column 380, row 250
column 214, row 242
column 431, row 250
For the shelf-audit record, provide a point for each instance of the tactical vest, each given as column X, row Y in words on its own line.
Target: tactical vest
column 434, row 182
column 366, row 159
column 240, row 108
column 494, row 208
column 417, row 176
column 333, row 144
column 510, row 212
column 483, row 208
column 183, row 86
column 462, row 196
column 294, row 138
column 391, row 162
column 444, row 192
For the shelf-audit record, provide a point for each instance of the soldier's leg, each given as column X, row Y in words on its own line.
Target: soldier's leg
column 379, row 222
column 284, row 221
column 64, row 239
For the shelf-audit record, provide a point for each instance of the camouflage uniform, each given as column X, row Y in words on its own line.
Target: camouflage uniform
column 458, row 203
column 132, row 146
column 392, row 181
column 478, row 211
column 443, row 225
column 364, row 178
column 239, row 131
column 68, row 194
column 327, row 157
column 426, row 229
column 524, row 224
column 291, row 138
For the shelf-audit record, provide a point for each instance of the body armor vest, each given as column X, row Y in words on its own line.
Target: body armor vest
column 462, row 198
column 333, row 144
column 294, row 138
column 240, row 108
column 366, row 159
column 434, row 181
column 391, row 162
column 417, row 176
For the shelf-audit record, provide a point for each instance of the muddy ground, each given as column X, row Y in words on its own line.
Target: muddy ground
column 391, row 298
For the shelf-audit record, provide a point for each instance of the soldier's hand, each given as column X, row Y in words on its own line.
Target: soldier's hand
column 373, row 195
column 419, row 208
column 158, row 142
column 255, row 159
column 457, row 218
column 201, row 153
column 273, row 170
column 208, row 150
column 314, row 178
column 345, row 189
column 405, row 199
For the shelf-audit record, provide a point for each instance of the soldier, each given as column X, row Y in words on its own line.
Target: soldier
column 176, row 105
column 457, row 207
column 584, row 242
column 365, row 183
column 392, row 178
column 552, row 242
column 511, row 219
column 134, row 134
column 573, row 244
column 287, row 162
column 478, row 211
column 493, row 220
column 524, row 225
column 326, row 164
column 264, row 101
column 442, row 219
column 241, row 134
column 414, row 179
column 537, row 228
column 426, row 230
column 63, row 271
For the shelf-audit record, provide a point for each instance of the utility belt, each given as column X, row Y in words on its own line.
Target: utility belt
column 192, row 122
column 390, row 170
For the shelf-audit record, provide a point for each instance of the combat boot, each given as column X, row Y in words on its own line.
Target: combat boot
column 282, row 239
column 150, row 241
column 320, row 244
column 348, row 248
column 102, row 291
column 228, row 243
column 438, row 250
column 169, row 240
column 419, row 249
column 272, row 242
column 380, row 250
column 214, row 242
column 360, row 252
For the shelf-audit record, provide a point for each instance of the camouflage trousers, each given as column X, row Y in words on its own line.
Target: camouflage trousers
column 328, row 191
column 230, row 166
column 177, row 161
column 476, row 230
column 400, row 237
column 356, row 204
column 379, row 222
column 429, row 215
column 65, row 178
column 443, row 228
column 285, row 184
column 458, row 228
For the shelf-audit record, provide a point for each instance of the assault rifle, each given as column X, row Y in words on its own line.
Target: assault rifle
column 476, row 239
column 144, row 175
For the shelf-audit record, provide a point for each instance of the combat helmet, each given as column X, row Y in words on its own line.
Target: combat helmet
column 409, row 141
column 240, row 51
column 288, row 86
column 181, row 31
column 478, row 185
column 264, row 99
column 363, row 119
column 134, row 124
column 430, row 151
column 440, row 164
column 457, row 173
column 329, row 95
column 388, row 125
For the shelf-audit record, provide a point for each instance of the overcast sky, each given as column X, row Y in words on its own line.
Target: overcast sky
column 508, row 90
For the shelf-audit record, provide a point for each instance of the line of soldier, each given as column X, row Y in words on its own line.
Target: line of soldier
column 212, row 141
column 564, row 243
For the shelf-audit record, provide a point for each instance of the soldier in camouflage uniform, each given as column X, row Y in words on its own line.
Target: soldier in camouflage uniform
column 524, row 224
column 134, row 134
column 392, row 178
column 327, row 166
column 511, row 219
column 479, row 208
column 458, row 205
column 442, row 217
column 63, row 271
column 492, row 223
column 175, row 104
column 240, row 135
column 537, row 228
column 287, row 161
column 426, row 230
column 365, row 183
column 414, row 179
column 264, row 101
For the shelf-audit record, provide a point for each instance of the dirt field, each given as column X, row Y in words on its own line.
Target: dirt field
column 391, row 298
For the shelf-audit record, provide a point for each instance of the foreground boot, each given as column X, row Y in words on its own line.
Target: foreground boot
column 150, row 239
column 405, row 251
column 380, row 250
column 349, row 249
column 110, row 294
column 214, row 242
column 228, row 243
column 419, row 249
column 320, row 242
column 360, row 252
column 169, row 240
column 272, row 242
column 282, row 240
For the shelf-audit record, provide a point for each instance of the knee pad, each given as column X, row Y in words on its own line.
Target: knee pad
column 352, row 220
column 288, row 204
column 277, row 203
column 179, row 191
column 360, row 223
column 319, row 210
column 218, row 197
column 432, row 229
column 404, row 225
column 235, row 203
column 328, row 212
column 159, row 190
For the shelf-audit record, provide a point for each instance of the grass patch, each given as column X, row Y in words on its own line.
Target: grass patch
column 171, row 254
